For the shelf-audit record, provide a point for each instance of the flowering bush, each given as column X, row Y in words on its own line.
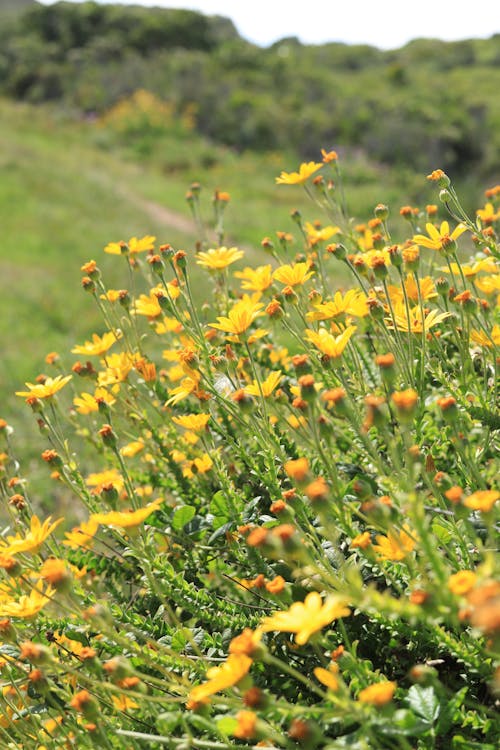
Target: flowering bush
column 285, row 525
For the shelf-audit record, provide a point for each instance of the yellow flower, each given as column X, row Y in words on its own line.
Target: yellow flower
column 133, row 246
column 266, row 387
column 81, row 536
column 223, row 677
column 396, row 545
column 332, row 346
column 352, row 303
column 462, row 582
column 187, row 386
column 306, row 618
column 203, row 464
column 123, row 702
column 482, row 500
column 192, row 421
column 240, row 317
column 99, row 344
column 488, row 214
column 300, row 177
column 481, row 338
column 378, row 694
column 28, row 605
column 293, row 275
column 377, row 258
column 110, row 476
column 488, row 284
column 438, row 239
column 46, row 389
column 485, row 264
column 117, row 369
column 416, row 323
column 218, row 258
column 326, row 677
column 168, row 325
column 126, row 519
column 256, row 279
column 33, row 539
column 133, row 448
column 85, row 403
column 321, row 234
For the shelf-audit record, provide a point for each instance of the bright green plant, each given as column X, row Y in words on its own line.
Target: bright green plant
column 286, row 535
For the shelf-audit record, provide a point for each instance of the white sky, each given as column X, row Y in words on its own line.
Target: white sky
column 386, row 24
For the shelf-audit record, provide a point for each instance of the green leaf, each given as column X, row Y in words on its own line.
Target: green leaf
column 182, row 516
column 180, row 638
column 424, row 702
column 220, row 507
column 227, row 725
column 167, row 721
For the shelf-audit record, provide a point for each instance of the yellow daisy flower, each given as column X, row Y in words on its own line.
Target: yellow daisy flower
column 300, row 177
column 216, row 259
column 307, row 617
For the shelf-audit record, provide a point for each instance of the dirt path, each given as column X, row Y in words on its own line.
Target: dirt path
column 159, row 213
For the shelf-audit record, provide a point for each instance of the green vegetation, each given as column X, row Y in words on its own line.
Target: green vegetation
column 277, row 545
column 69, row 186
column 429, row 101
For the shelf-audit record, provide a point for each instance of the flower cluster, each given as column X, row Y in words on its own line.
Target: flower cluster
column 283, row 482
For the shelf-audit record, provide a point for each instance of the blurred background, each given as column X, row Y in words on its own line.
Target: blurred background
column 110, row 111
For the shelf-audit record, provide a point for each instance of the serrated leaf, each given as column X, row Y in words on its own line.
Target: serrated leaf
column 182, row 516
column 424, row 702
column 180, row 638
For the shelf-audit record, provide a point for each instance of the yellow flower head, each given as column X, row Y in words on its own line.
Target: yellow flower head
column 126, row 519
column 240, row 317
column 438, row 238
column 300, row 177
column 219, row 258
column 488, row 214
column 101, row 478
column 266, row 387
column 416, row 322
column 47, row 389
column 378, row 694
column 33, row 539
column 483, row 339
column 462, row 582
column 306, row 618
column 28, row 605
column 320, row 234
column 86, row 403
column 256, row 279
column 482, row 500
column 81, row 536
column 396, row 545
column 133, row 448
column 118, row 366
column 353, row 302
column 293, row 275
column 133, row 246
column 223, row 677
column 196, row 422
column 332, row 346
column 99, row 344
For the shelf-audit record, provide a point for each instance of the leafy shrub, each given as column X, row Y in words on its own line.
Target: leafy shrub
column 286, row 532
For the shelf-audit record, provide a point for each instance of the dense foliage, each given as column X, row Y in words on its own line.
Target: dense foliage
column 429, row 100
column 287, row 505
